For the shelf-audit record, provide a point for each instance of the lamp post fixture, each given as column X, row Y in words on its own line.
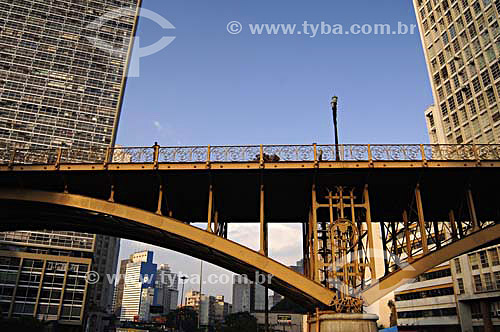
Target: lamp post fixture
column 334, row 110
column 183, row 278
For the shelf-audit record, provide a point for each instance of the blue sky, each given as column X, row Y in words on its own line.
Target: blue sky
column 211, row 87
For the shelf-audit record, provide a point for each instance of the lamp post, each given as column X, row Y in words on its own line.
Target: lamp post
column 334, row 110
column 183, row 278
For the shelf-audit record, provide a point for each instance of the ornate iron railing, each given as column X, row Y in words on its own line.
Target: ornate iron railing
column 254, row 153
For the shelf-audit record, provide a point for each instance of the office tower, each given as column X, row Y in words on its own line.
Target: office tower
column 42, row 275
column 138, row 291
column 120, row 285
column 59, row 88
column 247, row 295
column 167, row 289
column 461, row 41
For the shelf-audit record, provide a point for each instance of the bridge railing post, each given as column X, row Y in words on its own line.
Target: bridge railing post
column 422, row 153
column 12, row 157
column 58, row 158
column 209, row 152
column 156, row 154
column 108, row 156
column 315, row 151
column 476, row 154
column 370, row 157
column 261, row 157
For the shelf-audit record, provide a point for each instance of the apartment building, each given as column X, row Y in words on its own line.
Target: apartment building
column 461, row 41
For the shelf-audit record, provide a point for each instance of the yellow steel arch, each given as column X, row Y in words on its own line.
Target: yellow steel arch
column 301, row 287
column 285, row 280
column 418, row 266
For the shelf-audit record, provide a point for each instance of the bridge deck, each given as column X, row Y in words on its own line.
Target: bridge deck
column 288, row 186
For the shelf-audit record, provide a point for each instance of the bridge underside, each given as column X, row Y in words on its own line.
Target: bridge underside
column 427, row 215
column 287, row 191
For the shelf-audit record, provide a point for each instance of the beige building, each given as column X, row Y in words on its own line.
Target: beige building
column 461, row 40
column 477, row 287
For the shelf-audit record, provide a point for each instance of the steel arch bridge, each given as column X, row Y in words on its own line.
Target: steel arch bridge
column 429, row 203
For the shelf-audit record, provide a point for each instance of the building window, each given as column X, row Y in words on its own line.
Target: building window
column 458, row 267
column 493, row 253
column 497, row 279
column 473, row 262
column 488, row 283
column 484, row 259
column 461, row 288
column 478, row 284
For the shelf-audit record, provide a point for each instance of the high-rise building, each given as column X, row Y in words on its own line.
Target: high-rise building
column 461, row 40
column 167, row 289
column 42, row 275
column 120, row 285
column 247, row 295
column 61, row 88
column 138, row 291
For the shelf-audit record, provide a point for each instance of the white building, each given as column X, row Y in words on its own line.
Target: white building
column 140, row 276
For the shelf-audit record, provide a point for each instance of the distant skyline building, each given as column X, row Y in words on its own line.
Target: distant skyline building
column 461, row 41
column 118, row 291
column 167, row 289
column 204, row 305
column 58, row 88
column 222, row 308
column 247, row 295
column 138, row 291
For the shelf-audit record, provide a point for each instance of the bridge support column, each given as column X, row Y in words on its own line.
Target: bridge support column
column 326, row 321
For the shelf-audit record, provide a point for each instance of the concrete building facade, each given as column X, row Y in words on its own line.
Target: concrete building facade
column 428, row 304
column 461, row 41
column 60, row 89
column 476, row 278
